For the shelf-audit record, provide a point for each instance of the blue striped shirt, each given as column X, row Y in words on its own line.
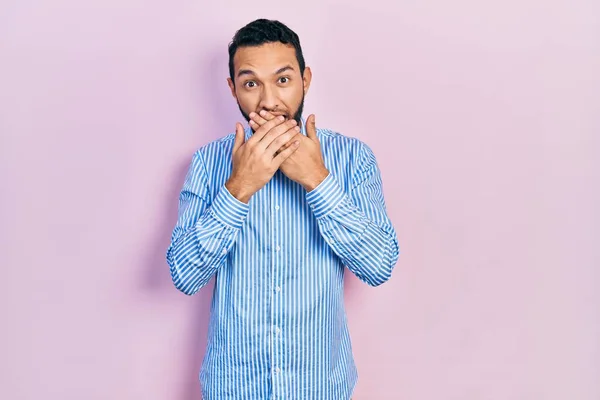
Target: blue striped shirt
column 278, row 326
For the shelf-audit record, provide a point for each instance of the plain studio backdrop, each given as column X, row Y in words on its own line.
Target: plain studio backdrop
column 484, row 117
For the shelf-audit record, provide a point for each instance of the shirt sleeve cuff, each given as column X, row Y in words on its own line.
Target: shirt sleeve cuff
column 325, row 197
column 229, row 210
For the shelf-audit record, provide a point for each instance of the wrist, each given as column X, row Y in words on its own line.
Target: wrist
column 316, row 180
column 238, row 190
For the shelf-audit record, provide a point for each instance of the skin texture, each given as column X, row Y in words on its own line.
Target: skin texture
column 270, row 90
column 268, row 77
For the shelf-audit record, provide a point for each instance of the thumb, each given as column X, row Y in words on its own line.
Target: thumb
column 311, row 129
column 239, row 137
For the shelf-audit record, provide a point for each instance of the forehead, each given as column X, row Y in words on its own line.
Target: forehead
column 266, row 58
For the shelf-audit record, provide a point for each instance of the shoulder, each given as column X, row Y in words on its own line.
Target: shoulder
column 334, row 141
column 216, row 149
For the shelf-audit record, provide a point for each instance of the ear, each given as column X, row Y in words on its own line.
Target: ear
column 306, row 79
column 231, row 87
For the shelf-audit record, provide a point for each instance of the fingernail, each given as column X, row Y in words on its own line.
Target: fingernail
column 281, row 118
column 263, row 113
column 297, row 129
column 252, row 114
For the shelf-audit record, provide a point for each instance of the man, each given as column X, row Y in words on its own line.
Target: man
column 275, row 213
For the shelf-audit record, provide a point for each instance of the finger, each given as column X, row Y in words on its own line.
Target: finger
column 283, row 141
column 263, row 130
column 282, row 156
column 256, row 120
column 239, row 137
column 288, row 126
column 311, row 129
column 254, row 125
column 267, row 115
column 289, row 143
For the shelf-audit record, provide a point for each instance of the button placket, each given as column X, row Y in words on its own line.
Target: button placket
column 276, row 359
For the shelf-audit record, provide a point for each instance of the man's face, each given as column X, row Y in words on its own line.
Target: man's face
column 267, row 77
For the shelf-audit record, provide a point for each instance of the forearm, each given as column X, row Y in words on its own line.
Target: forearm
column 197, row 253
column 369, row 248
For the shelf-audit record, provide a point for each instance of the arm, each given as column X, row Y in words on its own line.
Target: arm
column 355, row 224
column 205, row 231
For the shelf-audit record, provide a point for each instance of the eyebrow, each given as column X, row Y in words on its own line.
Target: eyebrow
column 279, row 71
column 282, row 70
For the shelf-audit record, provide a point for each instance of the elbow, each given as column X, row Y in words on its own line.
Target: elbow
column 383, row 274
column 380, row 277
column 185, row 289
column 184, row 281
column 187, row 285
column 181, row 284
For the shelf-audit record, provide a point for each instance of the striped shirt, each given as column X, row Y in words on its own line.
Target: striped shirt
column 278, row 326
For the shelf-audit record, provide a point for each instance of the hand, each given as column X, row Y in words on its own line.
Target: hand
column 255, row 161
column 305, row 165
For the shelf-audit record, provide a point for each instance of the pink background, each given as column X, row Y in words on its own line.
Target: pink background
column 484, row 116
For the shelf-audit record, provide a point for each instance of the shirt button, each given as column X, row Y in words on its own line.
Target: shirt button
column 278, row 289
column 277, row 370
column 276, row 208
column 224, row 251
column 277, row 248
column 277, row 331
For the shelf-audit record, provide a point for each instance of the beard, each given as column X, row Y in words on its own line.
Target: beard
column 297, row 115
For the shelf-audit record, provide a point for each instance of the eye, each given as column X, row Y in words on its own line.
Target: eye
column 284, row 79
column 250, row 84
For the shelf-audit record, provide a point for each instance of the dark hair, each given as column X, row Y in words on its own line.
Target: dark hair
column 263, row 31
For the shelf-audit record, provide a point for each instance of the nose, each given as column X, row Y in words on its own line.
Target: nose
column 269, row 100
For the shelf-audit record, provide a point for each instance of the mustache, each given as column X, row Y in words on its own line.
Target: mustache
column 297, row 115
column 275, row 114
